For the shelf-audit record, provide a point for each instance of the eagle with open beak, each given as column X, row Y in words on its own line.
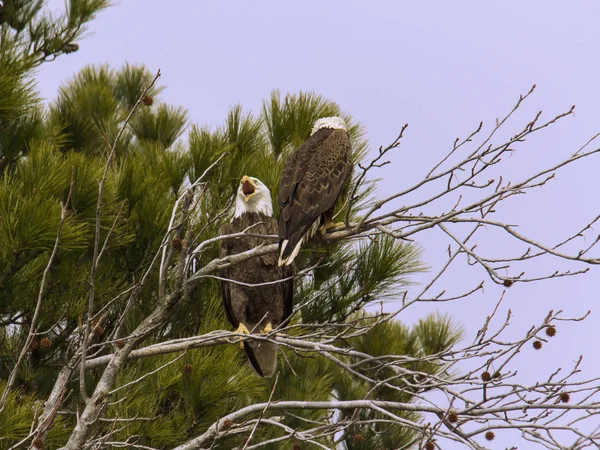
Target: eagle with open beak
column 259, row 297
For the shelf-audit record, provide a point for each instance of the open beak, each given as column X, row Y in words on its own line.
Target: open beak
column 248, row 189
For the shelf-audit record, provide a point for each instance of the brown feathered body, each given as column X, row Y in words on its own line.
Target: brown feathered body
column 312, row 180
column 255, row 306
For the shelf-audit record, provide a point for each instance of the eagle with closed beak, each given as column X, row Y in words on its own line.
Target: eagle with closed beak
column 312, row 180
column 259, row 297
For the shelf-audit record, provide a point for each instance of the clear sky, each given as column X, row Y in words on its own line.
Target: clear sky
column 440, row 66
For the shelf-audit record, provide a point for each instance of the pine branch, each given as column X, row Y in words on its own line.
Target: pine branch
column 185, row 195
column 157, row 318
column 33, row 327
column 97, row 252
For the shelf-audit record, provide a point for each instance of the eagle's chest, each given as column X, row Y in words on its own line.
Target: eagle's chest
column 259, row 287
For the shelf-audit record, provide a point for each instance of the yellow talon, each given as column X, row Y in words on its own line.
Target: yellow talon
column 268, row 328
column 330, row 225
column 242, row 329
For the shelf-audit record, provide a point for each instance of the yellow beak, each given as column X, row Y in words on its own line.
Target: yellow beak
column 248, row 188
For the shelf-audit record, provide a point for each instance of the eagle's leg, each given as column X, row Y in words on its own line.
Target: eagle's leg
column 242, row 329
column 268, row 328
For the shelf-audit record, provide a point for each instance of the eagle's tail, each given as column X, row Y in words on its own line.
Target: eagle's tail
column 289, row 248
column 287, row 253
column 262, row 356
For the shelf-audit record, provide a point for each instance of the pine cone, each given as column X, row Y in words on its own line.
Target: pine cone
column 537, row 344
column 70, row 48
column 176, row 243
column 46, row 343
column 120, row 343
column 187, row 369
column 148, row 100
column 99, row 330
column 485, row 376
column 490, row 435
column 358, row 437
column 429, row 446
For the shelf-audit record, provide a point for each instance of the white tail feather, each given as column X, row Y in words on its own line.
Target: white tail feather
column 290, row 259
column 283, row 246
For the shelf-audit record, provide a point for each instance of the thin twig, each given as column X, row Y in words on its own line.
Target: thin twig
column 262, row 413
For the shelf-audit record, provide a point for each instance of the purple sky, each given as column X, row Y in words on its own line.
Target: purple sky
column 440, row 67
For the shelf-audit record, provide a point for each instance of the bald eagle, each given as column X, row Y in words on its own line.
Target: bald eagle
column 255, row 308
column 312, row 180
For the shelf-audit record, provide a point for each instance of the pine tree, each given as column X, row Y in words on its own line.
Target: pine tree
column 47, row 153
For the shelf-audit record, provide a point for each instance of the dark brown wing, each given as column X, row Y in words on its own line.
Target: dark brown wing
column 225, row 250
column 312, row 180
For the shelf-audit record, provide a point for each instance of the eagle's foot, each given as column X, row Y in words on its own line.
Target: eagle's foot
column 242, row 329
column 329, row 226
column 267, row 329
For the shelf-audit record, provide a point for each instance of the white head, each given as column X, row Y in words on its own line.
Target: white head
column 253, row 197
column 329, row 122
